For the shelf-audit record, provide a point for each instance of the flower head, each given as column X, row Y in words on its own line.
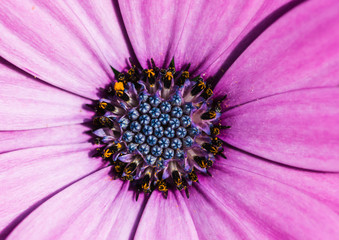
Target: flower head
column 158, row 127
column 277, row 62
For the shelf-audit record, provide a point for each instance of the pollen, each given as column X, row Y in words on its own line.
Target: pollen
column 119, row 87
column 158, row 128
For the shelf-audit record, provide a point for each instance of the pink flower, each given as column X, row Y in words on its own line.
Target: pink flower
column 277, row 61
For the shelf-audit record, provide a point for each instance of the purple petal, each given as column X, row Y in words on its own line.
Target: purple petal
column 94, row 208
column 298, row 51
column 298, row 128
column 161, row 30
column 59, row 49
column 265, row 201
column 15, row 140
column 213, row 218
column 166, row 219
column 28, row 103
column 321, row 186
column 214, row 27
column 102, row 22
column 29, row 175
column 154, row 27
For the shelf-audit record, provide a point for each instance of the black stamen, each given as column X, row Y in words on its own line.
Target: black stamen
column 116, row 72
column 124, row 97
column 208, row 115
column 188, row 67
column 207, row 93
column 172, row 66
column 145, row 184
column 201, row 161
column 198, row 87
column 210, row 148
column 130, row 168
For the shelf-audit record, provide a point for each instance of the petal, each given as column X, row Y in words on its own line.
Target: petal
column 102, row 21
column 89, row 209
column 213, row 28
column 27, row 103
column 29, row 175
column 323, row 187
column 181, row 29
column 213, row 218
column 298, row 128
column 175, row 27
column 154, row 27
column 270, row 206
column 63, row 135
column 59, row 49
column 166, row 218
column 298, row 51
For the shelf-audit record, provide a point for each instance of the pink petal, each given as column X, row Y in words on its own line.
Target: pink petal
column 49, row 40
column 213, row 218
column 92, row 208
column 321, row 186
column 182, row 29
column 298, row 128
column 102, row 21
column 15, row 140
column 298, row 51
column 166, row 219
column 154, row 27
column 29, row 175
column 28, row 103
column 267, row 205
column 215, row 27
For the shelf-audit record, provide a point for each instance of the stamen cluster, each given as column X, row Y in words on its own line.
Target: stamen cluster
column 158, row 127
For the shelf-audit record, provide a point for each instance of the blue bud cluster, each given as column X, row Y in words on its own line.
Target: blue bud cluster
column 159, row 129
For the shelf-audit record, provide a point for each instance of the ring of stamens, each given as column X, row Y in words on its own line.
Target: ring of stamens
column 158, row 127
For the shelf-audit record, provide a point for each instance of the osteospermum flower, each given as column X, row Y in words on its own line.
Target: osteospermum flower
column 117, row 118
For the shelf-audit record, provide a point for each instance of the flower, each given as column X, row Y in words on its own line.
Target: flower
column 277, row 61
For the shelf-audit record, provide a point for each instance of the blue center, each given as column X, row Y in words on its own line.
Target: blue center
column 159, row 130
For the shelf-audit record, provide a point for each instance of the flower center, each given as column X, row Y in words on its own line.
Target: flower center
column 158, row 127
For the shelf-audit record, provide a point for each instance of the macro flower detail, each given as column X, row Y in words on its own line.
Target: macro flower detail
column 158, row 127
column 103, row 136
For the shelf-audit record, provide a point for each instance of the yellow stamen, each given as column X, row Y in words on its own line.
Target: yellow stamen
column 214, row 150
column 131, row 71
column 117, row 168
column 212, row 114
column 209, row 92
column 203, row 164
column 193, row 176
column 185, row 74
column 169, row 76
column 201, row 84
column 127, row 177
column 162, row 186
column 178, row 182
column 107, row 153
column 150, row 73
column 145, row 186
column 103, row 105
column 209, row 163
column 215, row 131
